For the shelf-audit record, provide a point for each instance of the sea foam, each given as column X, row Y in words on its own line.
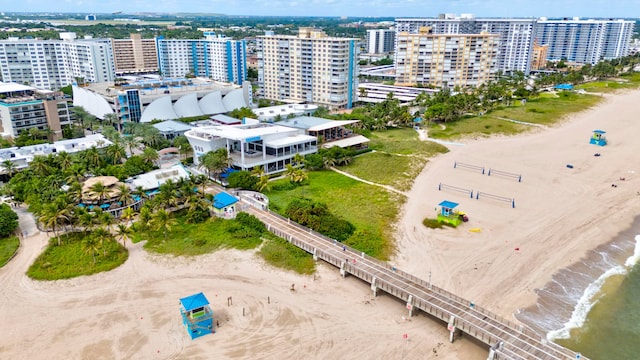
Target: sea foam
column 586, row 301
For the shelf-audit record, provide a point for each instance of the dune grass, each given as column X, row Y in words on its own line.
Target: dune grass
column 8, row 247
column 546, row 109
column 280, row 253
column 70, row 259
column 186, row 239
column 371, row 209
column 398, row 158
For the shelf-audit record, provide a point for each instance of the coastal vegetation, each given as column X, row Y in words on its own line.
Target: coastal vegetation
column 82, row 254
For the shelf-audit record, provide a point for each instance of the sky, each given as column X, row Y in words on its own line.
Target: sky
column 353, row 8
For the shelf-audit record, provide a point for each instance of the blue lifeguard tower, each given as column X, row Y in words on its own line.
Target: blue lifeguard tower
column 197, row 316
column 598, row 138
column 449, row 215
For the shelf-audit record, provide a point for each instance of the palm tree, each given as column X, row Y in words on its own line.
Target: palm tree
column 298, row 160
column 100, row 190
column 9, row 167
column 131, row 142
column 162, row 220
column 150, row 155
column 64, row 160
column 113, row 119
column 116, row 152
column 128, row 214
column 202, row 180
column 263, row 183
column 92, row 157
column 35, row 133
column 102, row 235
column 40, row 166
column 124, row 194
column 124, row 232
column 145, row 217
column 91, row 246
column 51, row 216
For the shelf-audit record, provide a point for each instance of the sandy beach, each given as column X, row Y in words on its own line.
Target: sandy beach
column 560, row 215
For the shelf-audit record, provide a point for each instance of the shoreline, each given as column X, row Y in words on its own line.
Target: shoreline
column 563, row 304
column 563, row 217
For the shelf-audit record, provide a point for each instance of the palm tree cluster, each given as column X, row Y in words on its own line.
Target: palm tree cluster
column 216, row 162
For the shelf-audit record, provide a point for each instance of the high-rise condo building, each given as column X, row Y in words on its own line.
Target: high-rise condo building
column 213, row 57
column 380, row 41
column 24, row 107
column 585, row 41
column 135, row 55
column 52, row 64
column 515, row 35
column 311, row 67
column 445, row 60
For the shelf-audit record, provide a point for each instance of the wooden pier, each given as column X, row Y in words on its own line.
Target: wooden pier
column 505, row 339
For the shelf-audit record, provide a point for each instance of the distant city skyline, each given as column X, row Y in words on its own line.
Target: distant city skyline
column 353, row 8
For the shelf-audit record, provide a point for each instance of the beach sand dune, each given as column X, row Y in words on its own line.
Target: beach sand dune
column 132, row 312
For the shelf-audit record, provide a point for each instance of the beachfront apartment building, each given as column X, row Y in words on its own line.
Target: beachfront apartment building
column 24, row 107
column 380, row 41
column 52, row 64
column 515, row 42
column 214, row 57
column 445, row 60
column 585, row 41
column 135, row 55
column 310, row 67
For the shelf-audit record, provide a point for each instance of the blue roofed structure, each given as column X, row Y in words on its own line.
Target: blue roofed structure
column 223, row 200
column 448, row 204
column 194, row 301
column 197, row 316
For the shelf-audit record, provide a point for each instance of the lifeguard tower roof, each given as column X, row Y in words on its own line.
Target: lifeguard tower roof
column 448, row 204
column 222, row 200
column 194, row 301
column 599, row 132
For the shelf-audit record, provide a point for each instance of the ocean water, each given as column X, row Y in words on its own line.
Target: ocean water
column 611, row 329
column 593, row 307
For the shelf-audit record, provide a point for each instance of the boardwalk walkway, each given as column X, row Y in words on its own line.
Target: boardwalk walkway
column 505, row 339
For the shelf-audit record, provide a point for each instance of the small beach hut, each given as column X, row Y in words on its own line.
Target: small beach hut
column 197, row 316
column 224, row 205
column 449, row 215
column 598, row 138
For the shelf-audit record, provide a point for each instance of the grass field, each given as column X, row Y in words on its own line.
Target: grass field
column 398, row 158
column 71, row 260
column 8, row 247
column 546, row 109
column 371, row 209
column 196, row 239
column 280, row 253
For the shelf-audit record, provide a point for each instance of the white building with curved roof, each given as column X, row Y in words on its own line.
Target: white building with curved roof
column 166, row 100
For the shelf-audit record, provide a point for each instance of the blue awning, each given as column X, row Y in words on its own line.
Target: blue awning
column 222, row 200
column 448, row 204
column 194, row 301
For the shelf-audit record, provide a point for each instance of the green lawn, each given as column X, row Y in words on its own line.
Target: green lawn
column 398, row 158
column 70, row 259
column 280, row 253
column 8, row 247
column 202, row 238
column 545, row 110
column 371, row 209
column 214, row 234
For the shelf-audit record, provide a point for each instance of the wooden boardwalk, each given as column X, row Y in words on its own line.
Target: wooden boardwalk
column 505, row 339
